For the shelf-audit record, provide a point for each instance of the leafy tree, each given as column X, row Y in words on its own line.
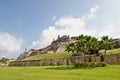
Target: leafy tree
column 71, row 47
column 4, row 60
column 106, row 43
column 95, row 45
column 80, row 44
column 90, row 45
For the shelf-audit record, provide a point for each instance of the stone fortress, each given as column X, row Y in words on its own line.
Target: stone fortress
column 58, row 45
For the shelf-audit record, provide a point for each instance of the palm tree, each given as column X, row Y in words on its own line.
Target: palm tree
column 106, row 43
column 95, row 45
column 80, row 44
column 71, row 47
column 88, row 43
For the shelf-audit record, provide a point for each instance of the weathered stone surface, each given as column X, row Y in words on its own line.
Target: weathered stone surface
column 110, row 59
column 117, row 42
column 58, row 45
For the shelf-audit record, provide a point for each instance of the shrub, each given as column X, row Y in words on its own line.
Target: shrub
column 101, row 64
column 80, row 64
column 4, row 60
column 91, row 64
column 77, row 54
column 54, row 64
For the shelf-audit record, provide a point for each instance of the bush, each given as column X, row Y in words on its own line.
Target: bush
column 91, row 64
column 4, row 60
column 54, row 64
column 101, row 64
column 79, row 64
column 77, row 54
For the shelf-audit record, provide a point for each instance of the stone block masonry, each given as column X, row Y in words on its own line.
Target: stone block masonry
column 58, row 45
column 110, row 59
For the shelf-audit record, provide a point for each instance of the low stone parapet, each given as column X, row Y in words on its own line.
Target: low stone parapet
column 110, row 59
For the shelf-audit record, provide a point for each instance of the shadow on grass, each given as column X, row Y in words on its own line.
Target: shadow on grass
column 68, row 68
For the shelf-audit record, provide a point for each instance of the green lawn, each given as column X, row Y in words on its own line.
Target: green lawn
column 50, row 56
column 113, row 51
column 111, row 72
column 64, row 55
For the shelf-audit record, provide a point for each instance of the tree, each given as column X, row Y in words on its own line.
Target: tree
column 71, row 47
column 95, row 45
column 4, row 60
column 77, row 47
column 80, row 44
column 84, row 44
column 90, row 45
column 106, row 43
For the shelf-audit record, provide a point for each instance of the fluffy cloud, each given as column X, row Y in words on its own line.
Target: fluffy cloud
column 9, row 44
column 66, row 26
column 111, row 30
column 107, row 30
column 91, row 13
column 75, row 26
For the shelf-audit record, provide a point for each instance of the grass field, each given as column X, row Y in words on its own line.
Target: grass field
column 64, row 55
column 111, row 72
column 50, row 56
column 113, row 51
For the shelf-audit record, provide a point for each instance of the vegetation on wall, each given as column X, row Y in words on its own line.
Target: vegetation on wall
column 91, row 64
column 64, row 55
column 90, row 45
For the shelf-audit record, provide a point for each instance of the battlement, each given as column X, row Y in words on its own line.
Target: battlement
column 58, row 45
column 63, row 39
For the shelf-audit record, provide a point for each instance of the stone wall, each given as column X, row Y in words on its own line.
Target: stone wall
column 58, row 45
column 110, row 59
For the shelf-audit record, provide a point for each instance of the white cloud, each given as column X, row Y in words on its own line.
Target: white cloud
column 66, row 26
column 111, row 30
column 107, row 30
column 75, row 26
column 91, row 13
column 9, row 44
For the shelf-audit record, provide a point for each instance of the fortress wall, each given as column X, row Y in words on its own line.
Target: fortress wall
column 58, row 45
column 110, row 59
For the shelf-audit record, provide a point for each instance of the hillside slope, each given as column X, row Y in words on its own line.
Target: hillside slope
column 57, row 46
column 64, row 55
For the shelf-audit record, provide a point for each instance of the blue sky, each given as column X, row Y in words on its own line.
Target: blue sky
column 34, row 23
